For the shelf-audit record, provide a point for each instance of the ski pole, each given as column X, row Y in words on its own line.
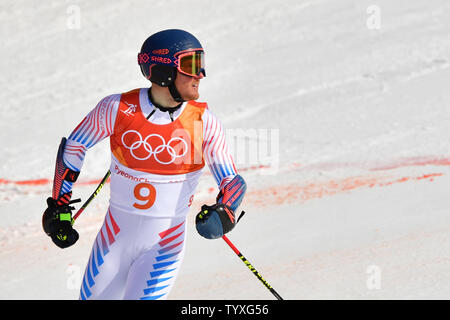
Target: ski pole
column 96, row 191
column 252, row 269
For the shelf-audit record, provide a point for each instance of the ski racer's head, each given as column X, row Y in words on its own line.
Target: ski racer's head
column 174, row 59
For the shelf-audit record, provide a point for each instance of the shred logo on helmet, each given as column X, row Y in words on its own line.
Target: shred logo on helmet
column 161, row 51
column 168, row 51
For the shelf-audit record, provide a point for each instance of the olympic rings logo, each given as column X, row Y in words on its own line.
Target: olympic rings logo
column 158, row 150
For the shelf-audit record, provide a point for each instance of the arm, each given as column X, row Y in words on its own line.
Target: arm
column 214, row 221
column 98, row 124
column 216, row 151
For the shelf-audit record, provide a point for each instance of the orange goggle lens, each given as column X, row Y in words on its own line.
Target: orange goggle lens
column 192, row 63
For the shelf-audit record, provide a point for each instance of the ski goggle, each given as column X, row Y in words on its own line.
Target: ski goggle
column 192, row 63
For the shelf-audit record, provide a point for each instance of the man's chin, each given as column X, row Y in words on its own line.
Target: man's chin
column 191, row 97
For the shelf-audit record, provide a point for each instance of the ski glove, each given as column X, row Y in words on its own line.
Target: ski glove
column 214, row 221
column 57, row 223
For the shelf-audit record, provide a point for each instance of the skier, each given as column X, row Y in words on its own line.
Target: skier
column 160, row 140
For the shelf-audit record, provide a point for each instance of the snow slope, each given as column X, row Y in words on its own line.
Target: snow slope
column 351, row 199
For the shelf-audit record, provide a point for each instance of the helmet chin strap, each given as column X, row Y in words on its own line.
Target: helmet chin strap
column 174, row 91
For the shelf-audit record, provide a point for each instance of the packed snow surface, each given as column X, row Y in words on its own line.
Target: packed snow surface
column 348, row 99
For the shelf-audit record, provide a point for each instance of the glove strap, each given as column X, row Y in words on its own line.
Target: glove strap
column 65, row 217
column 240, row 216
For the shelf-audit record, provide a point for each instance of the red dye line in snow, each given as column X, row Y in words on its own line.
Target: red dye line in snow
column 283, row 194
column 240, row 170
column 416, row 161
column 37, row 182
column 25, row 182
